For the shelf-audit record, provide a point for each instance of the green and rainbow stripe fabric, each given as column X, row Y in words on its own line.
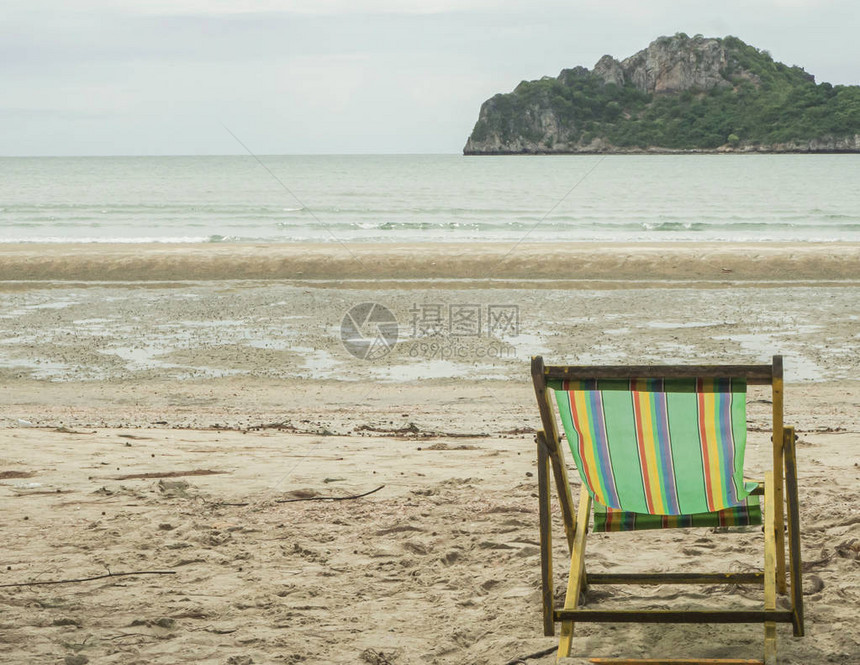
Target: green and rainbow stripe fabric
column 658, row 446
column 609, row 519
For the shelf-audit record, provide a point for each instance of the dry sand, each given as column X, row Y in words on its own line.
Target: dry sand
column 159, row 426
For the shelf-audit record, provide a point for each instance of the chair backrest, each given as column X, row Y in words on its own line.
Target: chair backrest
column 661, row 440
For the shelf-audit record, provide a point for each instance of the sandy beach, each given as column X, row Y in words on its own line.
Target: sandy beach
column 185, row 413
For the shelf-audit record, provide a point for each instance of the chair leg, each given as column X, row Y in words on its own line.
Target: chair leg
column 577, row 571
column 545, row 512
column 770, row 567
column 778, row 488
column 796, row 565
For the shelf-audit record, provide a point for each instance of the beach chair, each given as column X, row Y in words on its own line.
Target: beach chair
column 662, row 447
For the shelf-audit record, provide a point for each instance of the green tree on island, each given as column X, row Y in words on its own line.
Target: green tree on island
column 681, row 93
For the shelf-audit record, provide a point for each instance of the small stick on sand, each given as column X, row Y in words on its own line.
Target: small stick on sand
column 538, row 654
column 311, row 498
column 329, row 498
column 97, row 577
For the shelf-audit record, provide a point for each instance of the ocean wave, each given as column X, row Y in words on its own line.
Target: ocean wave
column 142, row 240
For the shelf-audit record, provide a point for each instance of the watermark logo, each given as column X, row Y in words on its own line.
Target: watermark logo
column 465, row 320
column 456, row 331
column 369, row 331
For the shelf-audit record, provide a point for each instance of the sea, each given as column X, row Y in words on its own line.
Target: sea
column 420, row 198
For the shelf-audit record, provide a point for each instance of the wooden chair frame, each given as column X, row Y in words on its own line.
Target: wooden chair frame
column 780, row 497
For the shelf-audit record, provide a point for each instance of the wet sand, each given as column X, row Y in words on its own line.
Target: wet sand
column 159, row 426
column 709, row 261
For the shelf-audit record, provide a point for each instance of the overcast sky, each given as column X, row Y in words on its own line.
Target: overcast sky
column 143, row 77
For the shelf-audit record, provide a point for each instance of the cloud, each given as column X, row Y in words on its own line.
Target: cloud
column 338, row 76
column 282, row 7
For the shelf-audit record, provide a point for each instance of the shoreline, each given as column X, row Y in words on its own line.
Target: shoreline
column 719, row 262
column 656, row 151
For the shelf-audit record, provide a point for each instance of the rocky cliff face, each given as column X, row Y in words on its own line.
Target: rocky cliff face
column 671, row 64
column 543, row 126
column 529, row 121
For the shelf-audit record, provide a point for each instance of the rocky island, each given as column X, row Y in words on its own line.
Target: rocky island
column 681, row 94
